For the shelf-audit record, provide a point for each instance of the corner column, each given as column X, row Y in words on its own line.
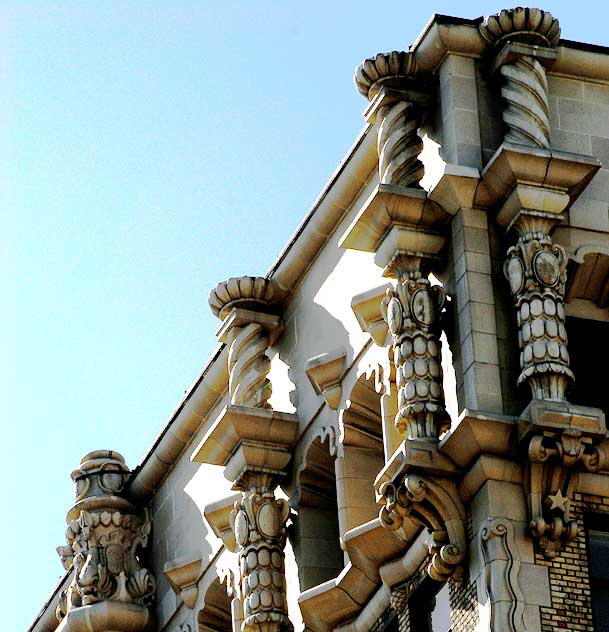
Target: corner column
column 253, row 444
column 531, row 186
column 406, row 231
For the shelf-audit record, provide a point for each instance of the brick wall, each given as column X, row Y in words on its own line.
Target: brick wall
column 569, row 585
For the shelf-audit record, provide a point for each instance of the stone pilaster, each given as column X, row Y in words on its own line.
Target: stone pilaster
column 107, row 536
column 253, row 444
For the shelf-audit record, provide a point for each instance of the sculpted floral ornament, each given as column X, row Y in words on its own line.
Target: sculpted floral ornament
column 434, row 504
column 412, row 312
column 554, row 464
column 106, row 538
column 258, row 521
column 537, row 270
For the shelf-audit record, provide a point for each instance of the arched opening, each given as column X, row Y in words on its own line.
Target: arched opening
column 363, row 455
column 315, row 534
column 215, row 616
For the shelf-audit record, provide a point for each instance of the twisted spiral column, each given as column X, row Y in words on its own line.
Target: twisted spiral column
column 248, row 367
column 399, row 145
column 389, row 80
column 526, row 111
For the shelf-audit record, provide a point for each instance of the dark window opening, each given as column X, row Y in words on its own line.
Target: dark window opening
column 597, row 528
column 429, row 607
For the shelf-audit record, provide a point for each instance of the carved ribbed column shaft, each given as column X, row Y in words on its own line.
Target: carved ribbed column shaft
column 244, row 304
column 387, row 80
column 523, row 40
column 536, row 270
column 412, row 311
column 259, row 521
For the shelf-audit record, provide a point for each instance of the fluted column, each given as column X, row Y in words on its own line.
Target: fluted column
column 253, row 444
column 106, row 535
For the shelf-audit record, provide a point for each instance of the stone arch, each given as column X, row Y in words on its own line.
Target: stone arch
column 315, row 534
column 215, row 615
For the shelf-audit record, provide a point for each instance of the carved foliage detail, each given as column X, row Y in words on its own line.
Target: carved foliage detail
column 258, row 521
column 555, row 461
column 106, row 548
column 435, row 505
column 412, row 312
column 536, row 271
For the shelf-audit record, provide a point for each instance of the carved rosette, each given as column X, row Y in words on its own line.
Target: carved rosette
column 525, row 87
column 248, row 364
column 412, row 312
column 554, row 463
column 536, row 271
column 434, row 504
column 258, row 521
column 106, row 537
column 399, row 116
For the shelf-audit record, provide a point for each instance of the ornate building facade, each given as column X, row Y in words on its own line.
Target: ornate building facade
column 403, row 426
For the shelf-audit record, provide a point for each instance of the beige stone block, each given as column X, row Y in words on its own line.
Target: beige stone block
column 456, row 65
column 553, row 112
column 475, row 218
column 570, row 141
column 583, row 117
column 458, row 92
column 568, row 88
column 499, row 499
column 467, row 352
column 535, row 584
column 469, row 155
column 600, row 149
column 480, row 287
column 466, row 127
column 485, row 348
column 483, row 318
column 598, row 188
column 596, row 93
column 590, row 214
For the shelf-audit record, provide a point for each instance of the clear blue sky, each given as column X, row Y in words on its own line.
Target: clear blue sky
column 150, row 150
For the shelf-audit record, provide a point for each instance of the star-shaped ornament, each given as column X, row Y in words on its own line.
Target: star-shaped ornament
column 558, row 501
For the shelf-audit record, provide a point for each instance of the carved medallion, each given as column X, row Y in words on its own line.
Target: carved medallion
column 547, row 268
column 515, row 274
column 423, row 308
column 394, row 316
column 241, row 528
column 269, row 520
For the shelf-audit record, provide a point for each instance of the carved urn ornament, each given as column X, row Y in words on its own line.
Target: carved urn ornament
column 107, row 536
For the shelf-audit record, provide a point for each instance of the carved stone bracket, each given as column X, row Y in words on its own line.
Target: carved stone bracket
column 555, row 461
column 433, row 503
column 325, row 372
column 183, row 575
column 106, row 536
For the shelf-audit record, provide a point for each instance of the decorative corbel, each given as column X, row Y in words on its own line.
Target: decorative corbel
column 434, row 504
column 555, row 461
column 183, row 575
column 367, row 309
column 325, row 372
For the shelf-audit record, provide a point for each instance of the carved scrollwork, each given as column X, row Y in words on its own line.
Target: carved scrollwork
column 554, row 463
column 412, row 312
column 435, row 505
column 258, row 521
column 536, row 271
